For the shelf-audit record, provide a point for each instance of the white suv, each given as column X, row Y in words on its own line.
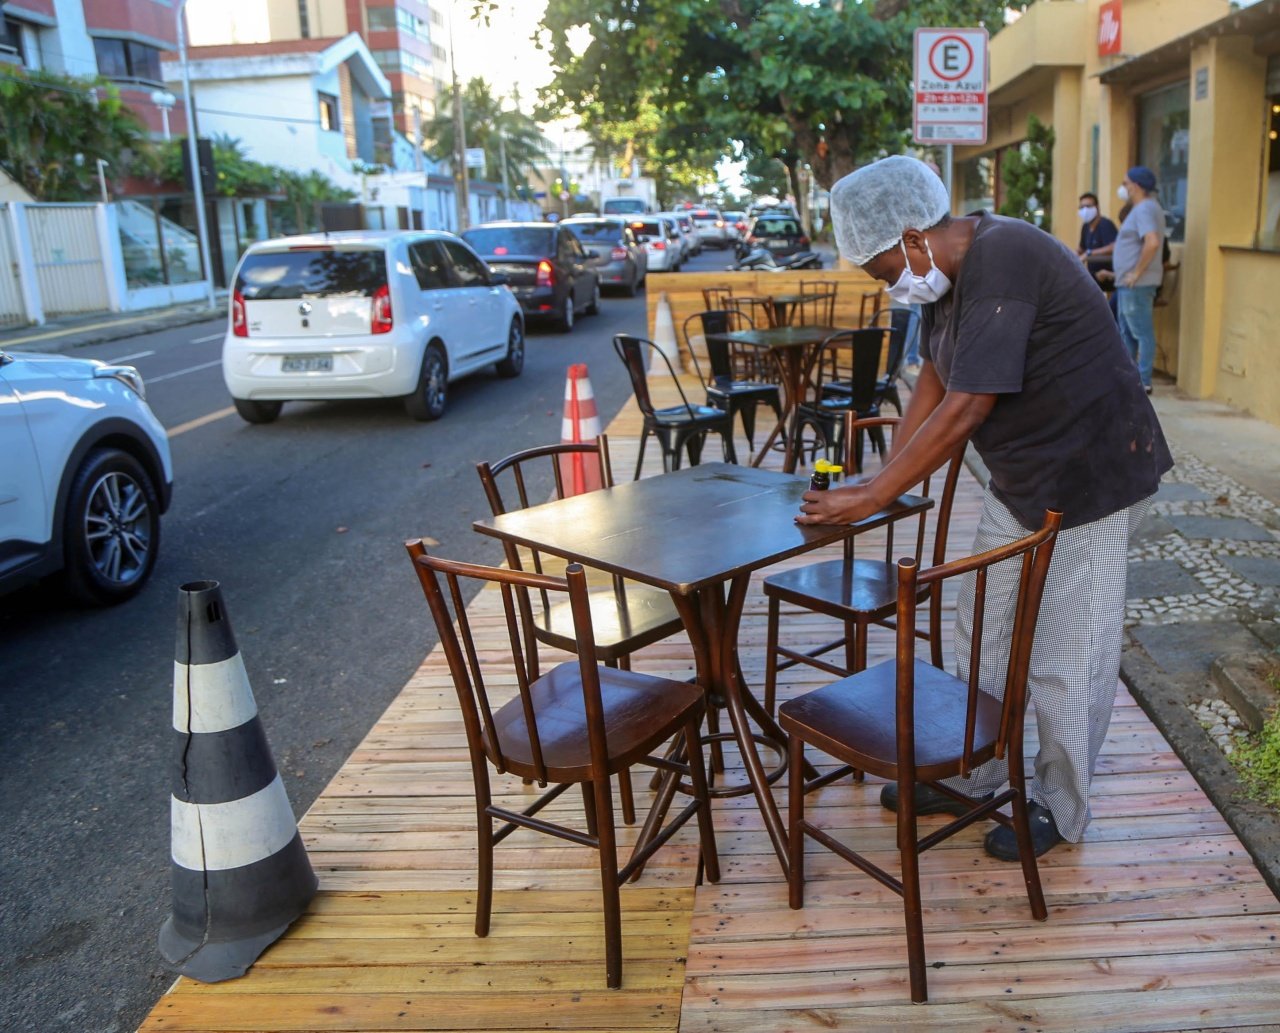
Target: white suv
column 84, row 477
column 365, row 314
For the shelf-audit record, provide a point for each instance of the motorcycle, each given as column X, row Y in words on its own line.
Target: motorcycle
column 762, row 260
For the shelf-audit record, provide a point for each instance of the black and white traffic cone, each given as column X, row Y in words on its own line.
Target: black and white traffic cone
column 240, row 872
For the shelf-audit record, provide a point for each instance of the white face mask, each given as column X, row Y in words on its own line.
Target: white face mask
column 914, row 289
column 1088, row 213
column 1122, row 192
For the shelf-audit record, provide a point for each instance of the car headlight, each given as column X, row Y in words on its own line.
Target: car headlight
column 127, row 375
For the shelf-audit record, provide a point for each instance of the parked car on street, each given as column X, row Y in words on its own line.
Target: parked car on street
column 661, row 241
column 550, row 273
column 620, row 259
column 84, row 479
column 736, row 221
column 692, row 245
column 781, row 234
column 712, row 228
column 365, row 314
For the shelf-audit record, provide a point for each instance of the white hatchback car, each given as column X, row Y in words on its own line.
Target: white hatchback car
column 84, row 477
column 365, row 314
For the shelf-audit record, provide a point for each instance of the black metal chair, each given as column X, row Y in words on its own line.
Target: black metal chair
column 859, row 591
column 844, row 370
column 678, row 426
column 887, row 386
column 910, row 722
column 579, row 724
column 625, row 616
column 724, row 389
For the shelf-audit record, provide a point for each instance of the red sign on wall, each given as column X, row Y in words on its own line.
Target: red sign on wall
column 1109, row 28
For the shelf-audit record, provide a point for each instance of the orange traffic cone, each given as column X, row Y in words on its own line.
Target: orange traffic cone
column 579, row 472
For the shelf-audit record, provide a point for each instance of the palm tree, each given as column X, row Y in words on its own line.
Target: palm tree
column 487, row 125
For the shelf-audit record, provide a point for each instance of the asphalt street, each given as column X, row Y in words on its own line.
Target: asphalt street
column 302, row 522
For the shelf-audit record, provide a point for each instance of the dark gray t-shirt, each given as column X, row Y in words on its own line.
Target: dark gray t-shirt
column 1072, row 428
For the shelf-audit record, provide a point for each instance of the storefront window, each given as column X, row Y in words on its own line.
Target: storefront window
column 1164, row 146
column 977, row 184
column 1269, row 223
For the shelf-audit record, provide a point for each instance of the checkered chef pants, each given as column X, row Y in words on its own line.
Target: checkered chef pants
column 1075, row 660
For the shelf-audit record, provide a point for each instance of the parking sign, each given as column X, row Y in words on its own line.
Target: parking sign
column 950, row 86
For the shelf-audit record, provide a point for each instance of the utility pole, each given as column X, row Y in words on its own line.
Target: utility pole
column 461, row 185
column 502, row 160
column 197, row 187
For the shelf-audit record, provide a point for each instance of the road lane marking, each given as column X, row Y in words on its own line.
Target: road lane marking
column 211, row 337
column 126, row 358
column 184, row 372
column 200, row 421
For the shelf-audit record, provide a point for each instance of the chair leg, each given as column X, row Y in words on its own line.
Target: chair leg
column 795, row 816
column 623, row 663
column 1026, row 850
column 644, row 436
column 484, row 857
column 693, row 445
column 911, row 907
column 589, row 807
column 771, row 657
column 726, row 441
column 698, row 776
column 748, row 412
column 609, row 883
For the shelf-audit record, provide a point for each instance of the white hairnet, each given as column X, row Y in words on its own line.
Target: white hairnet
column 870, row 208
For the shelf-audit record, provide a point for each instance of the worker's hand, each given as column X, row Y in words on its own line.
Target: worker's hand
column 1128, row 279
column 1105, row 276
column 839, row 505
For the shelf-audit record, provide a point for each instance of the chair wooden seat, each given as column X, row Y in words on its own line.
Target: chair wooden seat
column 638, row 709
column 834, row 587
column 623, row 622
column 846, row 720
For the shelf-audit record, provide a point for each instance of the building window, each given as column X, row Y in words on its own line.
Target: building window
column 127, row 59
column 439, row 52
column 397, row 19
column 330, row 122
column 1164, row 146
column 12, row 43
column 304, row 20
column 437, row 18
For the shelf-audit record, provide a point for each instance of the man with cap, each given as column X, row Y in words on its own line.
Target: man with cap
column 1138, row 267
column 1021, row 354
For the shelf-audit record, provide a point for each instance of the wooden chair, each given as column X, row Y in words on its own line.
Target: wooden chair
column 817, row 308
column 626, row 616
column 858, row 591
column 759, row 309
column 725, row 389
column 843, row 372
column 579, row 724
column 717, row 297
column 911, row 722
column 869, row 306
column 818, row 287
column 678, row 426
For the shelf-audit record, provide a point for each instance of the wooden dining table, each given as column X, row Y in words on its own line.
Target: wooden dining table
column 698, row 533
column 793, row 347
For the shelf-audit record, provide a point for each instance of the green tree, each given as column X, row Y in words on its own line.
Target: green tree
column 832, row 77
column 1027, row 173
column 54, row 128
column 487, row 124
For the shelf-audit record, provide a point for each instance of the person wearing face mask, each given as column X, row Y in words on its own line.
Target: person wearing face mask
column 1138, row 267
column 1097, row 237
column 1020, row 354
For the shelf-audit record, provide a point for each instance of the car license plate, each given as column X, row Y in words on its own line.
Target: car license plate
column 307, row 364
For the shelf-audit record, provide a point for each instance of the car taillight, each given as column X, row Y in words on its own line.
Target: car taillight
column 239, row 324
column 804, row 241
column 546, row 274
column 742, row 227
column 382, row 310
column 618, row 254
column 658, row 245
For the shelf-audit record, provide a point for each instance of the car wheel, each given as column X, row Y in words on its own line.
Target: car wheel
column 257, row 412
column 111, row 532
column 632, row 287
column 427, row 402
column 566, row 317
column 513, row 364
column 593, row 309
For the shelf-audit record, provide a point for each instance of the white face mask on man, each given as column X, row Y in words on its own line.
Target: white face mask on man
column 914, row 289
column 1088, row 213
column 1122, row 192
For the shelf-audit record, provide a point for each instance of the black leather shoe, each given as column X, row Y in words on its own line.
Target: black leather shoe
column 928, row 800
column 1002, row 843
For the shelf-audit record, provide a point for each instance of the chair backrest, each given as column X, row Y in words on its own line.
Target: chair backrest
column 720, row 355
column 851, row 358
column 486, row 738
column 897, row 320
column 817, row 308
column 760, row 309
column 818, row 287
column 631, row 350
column 716, row 297
column 1034, row 553
column 869, row 306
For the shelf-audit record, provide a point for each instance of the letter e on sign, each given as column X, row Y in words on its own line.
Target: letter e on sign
column 1109, row 28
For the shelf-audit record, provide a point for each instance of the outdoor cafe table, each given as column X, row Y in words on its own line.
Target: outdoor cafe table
column 698, row 533
column 792, row 345
column 782, row 304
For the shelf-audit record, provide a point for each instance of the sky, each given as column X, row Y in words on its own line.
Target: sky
column 502, row 52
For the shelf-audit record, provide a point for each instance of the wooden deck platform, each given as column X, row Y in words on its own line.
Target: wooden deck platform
column 1157, row 921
